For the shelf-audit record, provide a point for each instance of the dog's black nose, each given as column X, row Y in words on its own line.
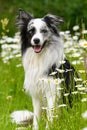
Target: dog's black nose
column 36, row 40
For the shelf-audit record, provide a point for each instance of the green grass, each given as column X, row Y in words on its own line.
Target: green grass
column 11, row 84
column 9, row 9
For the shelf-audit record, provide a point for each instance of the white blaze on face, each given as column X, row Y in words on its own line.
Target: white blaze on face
column 39, row 34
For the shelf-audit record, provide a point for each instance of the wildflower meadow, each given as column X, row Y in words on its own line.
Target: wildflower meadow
column 12, row 96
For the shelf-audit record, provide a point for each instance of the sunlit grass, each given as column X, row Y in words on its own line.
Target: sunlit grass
column 11, row 95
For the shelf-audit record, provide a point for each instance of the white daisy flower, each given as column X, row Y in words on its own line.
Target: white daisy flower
column 84, row 115
column 62, row 105
column 84, row 100
column 76, row 27
column 84, row 128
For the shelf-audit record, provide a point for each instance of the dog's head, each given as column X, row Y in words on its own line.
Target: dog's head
column 38, row 31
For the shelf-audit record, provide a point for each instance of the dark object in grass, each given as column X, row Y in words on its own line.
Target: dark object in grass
column 68, row 73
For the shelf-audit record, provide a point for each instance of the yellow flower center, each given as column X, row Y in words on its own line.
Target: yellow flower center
column 85, row 44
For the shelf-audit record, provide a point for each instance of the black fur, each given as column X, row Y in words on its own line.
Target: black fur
column 53, row 22
column 22, row 21
column 68, row 75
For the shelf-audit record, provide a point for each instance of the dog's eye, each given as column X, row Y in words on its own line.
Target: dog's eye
column 44, row 31
column 31, row 31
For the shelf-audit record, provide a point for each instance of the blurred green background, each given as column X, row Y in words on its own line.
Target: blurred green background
column 73, row 11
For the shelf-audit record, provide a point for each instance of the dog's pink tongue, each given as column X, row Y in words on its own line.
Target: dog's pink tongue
column 37, row 49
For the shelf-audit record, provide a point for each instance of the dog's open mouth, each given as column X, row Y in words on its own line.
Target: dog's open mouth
column 37, row 48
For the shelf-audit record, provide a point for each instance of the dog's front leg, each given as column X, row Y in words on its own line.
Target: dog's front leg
column 37, row 112
column 50, row 108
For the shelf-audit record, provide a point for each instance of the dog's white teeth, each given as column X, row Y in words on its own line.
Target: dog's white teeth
column 37, row 48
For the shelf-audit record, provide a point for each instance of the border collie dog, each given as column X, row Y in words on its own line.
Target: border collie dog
column 42, row 53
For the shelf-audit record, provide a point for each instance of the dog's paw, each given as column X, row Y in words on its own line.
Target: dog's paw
column 22, row 117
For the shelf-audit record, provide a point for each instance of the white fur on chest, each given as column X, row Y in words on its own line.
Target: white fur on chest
column 36, row 66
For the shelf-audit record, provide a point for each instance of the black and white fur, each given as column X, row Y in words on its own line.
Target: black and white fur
column 42, row 52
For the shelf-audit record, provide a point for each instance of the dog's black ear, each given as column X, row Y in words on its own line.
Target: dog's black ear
column 53, row 20
column 23, row 18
